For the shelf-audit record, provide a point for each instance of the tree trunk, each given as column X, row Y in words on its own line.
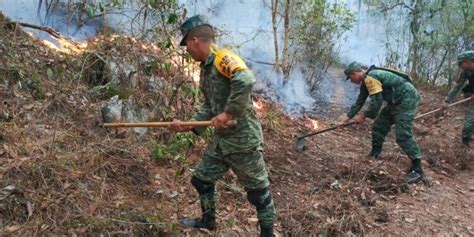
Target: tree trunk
column 415, row 45
column 274, row 8
column 284, row 54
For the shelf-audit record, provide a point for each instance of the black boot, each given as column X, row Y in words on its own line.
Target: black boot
column 466, row 141
column 415, row 174
column 208, row 219
column 266, row 232
column 207, row 198
column 374, row 154
column 262, row 200
column 198, row 223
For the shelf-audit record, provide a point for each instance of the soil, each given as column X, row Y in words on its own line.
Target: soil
column 62, row 173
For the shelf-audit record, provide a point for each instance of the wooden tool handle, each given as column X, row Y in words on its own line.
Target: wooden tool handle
column 326, row 129
column 437, row 110
column 230, row 123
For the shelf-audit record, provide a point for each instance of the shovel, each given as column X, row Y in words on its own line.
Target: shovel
column 300, row 144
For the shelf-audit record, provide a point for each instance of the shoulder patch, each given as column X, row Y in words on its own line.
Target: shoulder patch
column 228, row 63
column 373, row 85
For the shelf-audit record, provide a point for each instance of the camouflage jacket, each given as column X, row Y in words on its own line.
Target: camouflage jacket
column 226, row 84
column 380, row 85
column 465, row 76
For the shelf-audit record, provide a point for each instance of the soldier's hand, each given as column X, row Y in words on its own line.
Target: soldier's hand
column 360, row 118
column 176, row 126
column 222, row 120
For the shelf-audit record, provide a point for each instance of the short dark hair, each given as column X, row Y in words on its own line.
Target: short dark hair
column 203, row 32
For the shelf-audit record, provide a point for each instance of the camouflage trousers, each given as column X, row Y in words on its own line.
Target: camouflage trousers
column 402, row 115
column 468, row 128
column 251, row 172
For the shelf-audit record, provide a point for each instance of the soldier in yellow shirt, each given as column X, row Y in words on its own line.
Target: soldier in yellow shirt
column 402, row 98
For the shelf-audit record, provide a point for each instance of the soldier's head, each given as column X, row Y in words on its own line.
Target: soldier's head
column 198, row 36
column 355, row 71
column 466, row 60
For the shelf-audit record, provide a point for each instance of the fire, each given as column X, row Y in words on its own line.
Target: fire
column 311, row 123
column 66, row 46
column 258, row 105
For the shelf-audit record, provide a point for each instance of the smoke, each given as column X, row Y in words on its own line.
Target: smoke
column 246, row 26
column 50, row 14
column 365, row 42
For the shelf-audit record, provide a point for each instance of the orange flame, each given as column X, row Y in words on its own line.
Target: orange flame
column 66, row 46
column 258, row 105
column 311, row 123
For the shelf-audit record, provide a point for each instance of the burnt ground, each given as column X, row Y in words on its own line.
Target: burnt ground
column 372, row 198
column 333, row 189
column 62, row 173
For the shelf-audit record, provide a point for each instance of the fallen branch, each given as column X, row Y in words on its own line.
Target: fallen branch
column 46, row 29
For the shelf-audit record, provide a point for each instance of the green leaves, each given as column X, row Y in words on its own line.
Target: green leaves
column 165, row 44
column 100, row 7
column 90, row 11
column 173, row 18
column 180, row 143
column 116, row 3
column 316, row 27
column 153, row 4
column 167, row 66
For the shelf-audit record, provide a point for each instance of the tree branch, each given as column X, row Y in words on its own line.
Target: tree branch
column 46, row 29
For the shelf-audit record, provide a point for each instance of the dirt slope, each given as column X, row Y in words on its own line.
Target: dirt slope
column 61, row 173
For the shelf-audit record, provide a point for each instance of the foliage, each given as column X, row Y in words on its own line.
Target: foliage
column 174, row 148
column 434, row 32
column 318, row 26
column 113, row 90
column 153, row 20
column 314, row 30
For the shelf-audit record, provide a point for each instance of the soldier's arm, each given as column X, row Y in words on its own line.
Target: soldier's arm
column 203, row 114
column 457, row 87
column 355, row 108
column 241, row 86
column 241, row 81
column 376, row 102
column 374, row 89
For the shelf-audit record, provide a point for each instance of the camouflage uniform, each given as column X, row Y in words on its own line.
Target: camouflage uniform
column 226, row 83
column 402, row 100
column 466, row 77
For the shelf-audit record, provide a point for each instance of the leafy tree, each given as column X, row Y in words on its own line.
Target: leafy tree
column 437, row 32
column 311, row 29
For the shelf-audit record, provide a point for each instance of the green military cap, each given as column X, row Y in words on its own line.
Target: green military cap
column 191, row 23
column 354, row 66
column 466, row 55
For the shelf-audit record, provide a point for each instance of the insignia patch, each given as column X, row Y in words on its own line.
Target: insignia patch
column 373, row 86
column 228, row 63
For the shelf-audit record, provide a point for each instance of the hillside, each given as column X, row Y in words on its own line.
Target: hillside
column 63, row 173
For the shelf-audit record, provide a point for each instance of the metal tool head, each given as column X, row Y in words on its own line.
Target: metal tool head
column 300, row 144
